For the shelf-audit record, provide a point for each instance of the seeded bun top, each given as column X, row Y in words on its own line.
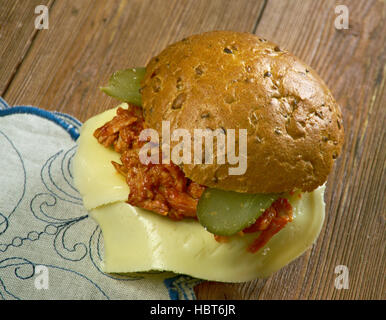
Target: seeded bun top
column 234, row 80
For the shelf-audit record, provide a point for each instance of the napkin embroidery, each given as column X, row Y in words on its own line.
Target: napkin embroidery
column 48, row 226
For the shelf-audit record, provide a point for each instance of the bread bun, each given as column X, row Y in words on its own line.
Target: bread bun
column 233, row 80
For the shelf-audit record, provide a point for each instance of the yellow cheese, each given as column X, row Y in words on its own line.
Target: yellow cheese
column 136, row 240
column 95, row 177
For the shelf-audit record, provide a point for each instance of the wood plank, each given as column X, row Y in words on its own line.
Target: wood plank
column 88, row 40
column 17, row 31
column 352, row 62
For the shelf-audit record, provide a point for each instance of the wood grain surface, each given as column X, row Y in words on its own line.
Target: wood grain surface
column 16, row 36
column 62, row 68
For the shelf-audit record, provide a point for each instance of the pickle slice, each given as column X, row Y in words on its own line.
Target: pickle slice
column 225, row 213
column 125, row 84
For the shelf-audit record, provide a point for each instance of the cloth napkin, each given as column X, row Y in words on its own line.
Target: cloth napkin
column 49, row 247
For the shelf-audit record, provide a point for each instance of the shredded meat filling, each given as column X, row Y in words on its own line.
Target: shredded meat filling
column 162, row 188
column 269, row 223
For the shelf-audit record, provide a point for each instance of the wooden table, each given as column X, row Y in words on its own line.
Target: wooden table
column 62, row 68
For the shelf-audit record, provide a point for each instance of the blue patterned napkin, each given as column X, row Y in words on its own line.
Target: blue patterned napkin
column 49, row 247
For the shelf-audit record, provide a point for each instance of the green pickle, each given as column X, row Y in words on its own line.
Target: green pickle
column 125, row 85
column 225, row 213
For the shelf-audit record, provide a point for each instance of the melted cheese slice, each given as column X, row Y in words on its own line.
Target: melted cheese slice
column 95, row 177
column 137, row 240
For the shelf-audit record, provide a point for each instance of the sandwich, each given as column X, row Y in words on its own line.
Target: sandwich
column 214, row 164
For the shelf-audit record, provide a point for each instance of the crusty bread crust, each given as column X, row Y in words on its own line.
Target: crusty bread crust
column 232, row 80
